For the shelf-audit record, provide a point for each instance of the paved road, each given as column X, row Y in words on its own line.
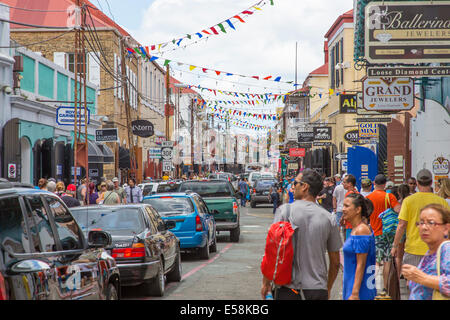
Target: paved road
column 233, row 272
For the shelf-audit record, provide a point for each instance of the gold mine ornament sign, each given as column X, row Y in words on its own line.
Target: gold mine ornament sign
column 407, row 32
column 388, row 94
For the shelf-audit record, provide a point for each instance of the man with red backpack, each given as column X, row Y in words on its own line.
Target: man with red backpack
column 316, row 231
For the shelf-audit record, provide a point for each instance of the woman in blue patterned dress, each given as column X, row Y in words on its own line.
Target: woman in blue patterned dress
column 434, row 227
column 359, row 250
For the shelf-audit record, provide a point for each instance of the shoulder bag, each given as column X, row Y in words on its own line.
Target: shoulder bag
column 437, row 295
column 389, row 217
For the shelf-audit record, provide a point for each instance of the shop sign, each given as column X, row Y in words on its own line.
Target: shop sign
column 12, row 170
column 411, row 72
column 65, row 116
column 297, row 152
column 142, row 128
column 292, row 166
column 407, row 32
column 154, row 153
column 388, row 94
column 322, row 133
column 367, row 130
column 305, row 136
column 441, row 166
column 107, row 135
column 352, row 136
column 322, row 143
column 347, row 103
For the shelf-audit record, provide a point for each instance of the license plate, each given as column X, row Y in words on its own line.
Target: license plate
column 266, row 192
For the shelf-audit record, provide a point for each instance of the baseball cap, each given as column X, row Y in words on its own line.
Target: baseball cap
column 380, row 179
column 366, row 182
column 115, row 179
column 425, row 176
column 389, row 184
column 71, row 187
column 337, row 175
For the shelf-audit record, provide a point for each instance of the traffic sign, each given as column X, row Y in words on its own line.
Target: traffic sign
column 166, row 166
column 340, row 156
column 167, row 144
column 167, row 153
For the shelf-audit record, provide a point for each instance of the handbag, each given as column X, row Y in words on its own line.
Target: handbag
column 393, row 285
column 437, row 295
column 389, row 218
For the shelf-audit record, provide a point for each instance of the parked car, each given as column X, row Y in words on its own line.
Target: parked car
column 260, row 193
column 218, row 195
column 148, row 188
column 142, row 245
column 195, row 224
column 168, row 186
column 44, row 255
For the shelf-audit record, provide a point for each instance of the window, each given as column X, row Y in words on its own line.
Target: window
column 39, row 223
column 156, row 220
column 13, row 233
column 202, row 208
column 68, row 230
column 170, row 205
column 71, row 62
column 342, row 59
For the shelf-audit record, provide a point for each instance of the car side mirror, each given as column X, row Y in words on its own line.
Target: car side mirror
column 170, row 224
column 99, row 239
column 29, row 266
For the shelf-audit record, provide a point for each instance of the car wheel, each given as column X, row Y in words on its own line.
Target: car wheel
column 175, row 274
column 204, row 251
column 234, row 234
column 213, row 247
column 253, row 204
column 111, row 292
column 156, row 286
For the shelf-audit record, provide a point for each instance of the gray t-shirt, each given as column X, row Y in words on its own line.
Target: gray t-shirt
column 317, row 232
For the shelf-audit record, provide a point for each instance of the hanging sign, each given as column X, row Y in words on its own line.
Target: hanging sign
column 352, row 136
column 142, row 128
column 388, row 94
column 12, row 170
column 65, row 116
column 347, row 103
column 367, row 130
column 297, row 152
column 407, row 32
column 305, row 136
column 322, row 133
column 107, row 135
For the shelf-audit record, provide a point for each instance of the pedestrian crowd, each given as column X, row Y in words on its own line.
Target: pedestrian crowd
column 397, row 231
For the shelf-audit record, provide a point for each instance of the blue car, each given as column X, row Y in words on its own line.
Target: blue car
column 195, row 224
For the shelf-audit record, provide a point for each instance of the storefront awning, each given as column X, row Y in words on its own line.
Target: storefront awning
column 108, row 154
column 95, row 155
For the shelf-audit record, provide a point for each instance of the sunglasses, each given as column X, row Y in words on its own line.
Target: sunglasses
column 298, row 182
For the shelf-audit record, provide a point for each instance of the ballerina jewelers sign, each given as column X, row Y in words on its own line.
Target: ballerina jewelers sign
column 407, row 32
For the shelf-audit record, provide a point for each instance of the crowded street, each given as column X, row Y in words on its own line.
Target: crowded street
column 216, row 158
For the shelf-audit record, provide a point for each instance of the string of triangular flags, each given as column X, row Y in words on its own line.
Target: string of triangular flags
column 144, row 53
column 259, row 116
column 214, row 30
column 237, row 94
column 242, row 124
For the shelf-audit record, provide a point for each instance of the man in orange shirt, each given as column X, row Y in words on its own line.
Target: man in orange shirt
column 383, row 242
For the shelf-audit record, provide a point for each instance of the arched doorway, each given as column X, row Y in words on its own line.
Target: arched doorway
column 43, row 159
column 25, row 160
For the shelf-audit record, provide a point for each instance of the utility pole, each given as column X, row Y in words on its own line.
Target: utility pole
column 167, row 102
column 192, row 134
column 124, row 82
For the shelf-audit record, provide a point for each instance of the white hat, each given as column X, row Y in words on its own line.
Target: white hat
column 115, row 179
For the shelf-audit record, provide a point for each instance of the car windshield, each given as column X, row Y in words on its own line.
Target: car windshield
column 109, row 219
column 265, row 183
column 171, row 205
column 256, row 176
column 208, row 189
column 167, row 187
column 147, row 189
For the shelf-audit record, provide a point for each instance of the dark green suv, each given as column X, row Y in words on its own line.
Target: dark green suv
column 218, row 195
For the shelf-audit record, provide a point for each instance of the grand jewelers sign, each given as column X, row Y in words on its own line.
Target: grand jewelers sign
column 388, row 94
column 407, row 32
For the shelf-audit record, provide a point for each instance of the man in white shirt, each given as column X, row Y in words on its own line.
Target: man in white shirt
column 338, row 200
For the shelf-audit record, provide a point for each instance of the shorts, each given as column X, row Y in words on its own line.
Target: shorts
column 383, row 246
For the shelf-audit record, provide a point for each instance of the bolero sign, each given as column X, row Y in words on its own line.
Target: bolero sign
column 142, row 128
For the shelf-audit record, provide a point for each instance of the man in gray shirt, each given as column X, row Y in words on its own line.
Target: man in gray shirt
column 316, row 233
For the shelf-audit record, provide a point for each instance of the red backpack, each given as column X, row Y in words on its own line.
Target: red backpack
column 279, row 253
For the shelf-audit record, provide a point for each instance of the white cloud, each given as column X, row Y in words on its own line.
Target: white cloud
column 263, row 45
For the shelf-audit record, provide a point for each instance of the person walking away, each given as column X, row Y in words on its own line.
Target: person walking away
column 274, row 198
column 383, row 242
column 415, row 247
column 69, row 197
column 349, row 184
column 92, row 195
column 366, row 187
column 432, row 275
column 327, row 194
column 317, row 232
column 338, row 200
column 359, row 251
column 243, row 189
column 444, row 189
column 82, row 190
column 403, row 192
column 119, row 190
column 134, row 193
column 337, row 179
column 51, row 186
column 110, row 197
column 101, row 193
